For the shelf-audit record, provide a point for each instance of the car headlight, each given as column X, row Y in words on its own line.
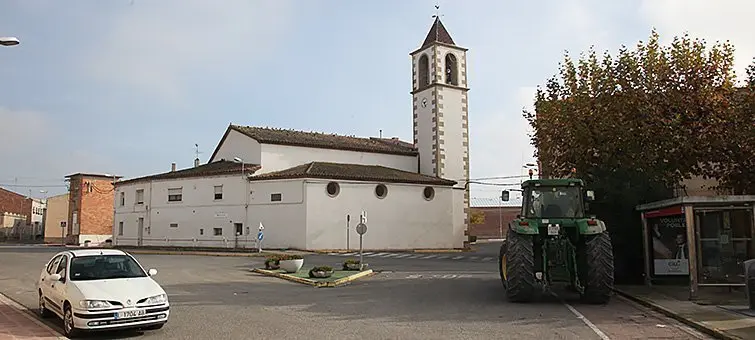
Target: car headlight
column 94, row 304
column 153, row 300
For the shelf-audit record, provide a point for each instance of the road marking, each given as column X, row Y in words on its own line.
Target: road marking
column 488, row 259
column 443, row 257
column 473, row 258
column 429, row 256
column 403, row 256
column 579, row 315
column 458, row 257
column 377, row 254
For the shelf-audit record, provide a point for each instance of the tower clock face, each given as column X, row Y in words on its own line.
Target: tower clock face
column 424, row 102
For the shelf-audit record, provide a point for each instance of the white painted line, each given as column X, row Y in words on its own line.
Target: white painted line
column 349, row 254
column 458, row 257
column 366, row 254
column 429, row 256
column 377, row 254
column 403, row 256
column 392, row 255
column 443, row 257
column 488, row 259
column 473, row 258
column 587, row 322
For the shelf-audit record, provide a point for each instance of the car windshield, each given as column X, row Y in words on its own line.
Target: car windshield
column 553, row 202
column 104, row 267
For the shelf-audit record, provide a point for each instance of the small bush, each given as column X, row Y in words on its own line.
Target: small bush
column 351, row 261
column 287, row 257
column 322, row 269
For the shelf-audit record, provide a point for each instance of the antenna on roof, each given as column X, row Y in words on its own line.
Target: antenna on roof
column 196, row 150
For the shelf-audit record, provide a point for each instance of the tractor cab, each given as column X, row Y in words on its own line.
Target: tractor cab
column 553, row 199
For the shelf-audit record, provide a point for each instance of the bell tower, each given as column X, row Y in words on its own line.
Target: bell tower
column 440, row 107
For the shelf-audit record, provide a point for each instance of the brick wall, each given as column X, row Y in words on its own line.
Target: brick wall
column 91, row 198
column 490, row 227
column 15, row 203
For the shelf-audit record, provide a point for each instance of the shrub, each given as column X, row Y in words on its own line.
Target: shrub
column 287, row 257
column 322, row 269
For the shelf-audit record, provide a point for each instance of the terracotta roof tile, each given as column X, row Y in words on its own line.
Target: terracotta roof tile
column 327, row 141
column 221, row 167
column 356, row 172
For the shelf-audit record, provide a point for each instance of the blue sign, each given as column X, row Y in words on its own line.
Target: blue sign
column 260, row 236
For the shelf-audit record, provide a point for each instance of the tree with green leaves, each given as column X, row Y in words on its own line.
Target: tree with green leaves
column 636, row 124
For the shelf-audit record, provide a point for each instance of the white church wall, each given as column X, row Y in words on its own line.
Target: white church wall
column 280, row 157
column 404, row 219
column 192, row 222
column 453, row 140
column 423, row 132
column 236, row 144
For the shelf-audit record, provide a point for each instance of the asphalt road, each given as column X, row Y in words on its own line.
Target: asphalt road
column 219, row 298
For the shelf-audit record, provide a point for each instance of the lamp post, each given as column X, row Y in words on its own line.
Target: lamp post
column 9, row 41
column 246, row 201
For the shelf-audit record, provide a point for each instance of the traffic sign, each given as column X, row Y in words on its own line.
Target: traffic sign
column 361, row 228
column 261, row 228
column 260, row 236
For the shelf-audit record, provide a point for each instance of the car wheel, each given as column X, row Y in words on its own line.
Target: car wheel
column 68, row 327
column 43, row 311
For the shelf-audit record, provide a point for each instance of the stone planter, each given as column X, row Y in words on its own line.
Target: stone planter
column 351, row 266
column 291, row 266
column 272, row 265
column 320, row 274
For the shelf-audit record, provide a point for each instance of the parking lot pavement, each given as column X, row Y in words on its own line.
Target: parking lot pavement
column 218, row 298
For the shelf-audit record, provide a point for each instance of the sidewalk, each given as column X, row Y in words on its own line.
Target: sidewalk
column 721, row 316
column 16, row 324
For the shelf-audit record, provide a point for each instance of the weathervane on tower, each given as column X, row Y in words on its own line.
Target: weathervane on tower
column 437, row 14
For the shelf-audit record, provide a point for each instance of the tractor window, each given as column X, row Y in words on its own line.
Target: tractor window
column 553, row 202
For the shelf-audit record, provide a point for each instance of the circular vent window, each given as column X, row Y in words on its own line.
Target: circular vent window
column 428, row 193
column 381, row 191
column 333, row 189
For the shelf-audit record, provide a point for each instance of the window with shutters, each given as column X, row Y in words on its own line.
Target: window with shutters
column 175, row 195
column 218, row 192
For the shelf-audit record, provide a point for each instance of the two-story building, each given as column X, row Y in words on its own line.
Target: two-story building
column 309, row 189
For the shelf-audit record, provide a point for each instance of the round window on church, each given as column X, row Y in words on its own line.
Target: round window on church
column 428, row 193
column 381, row 191
column 333, row 189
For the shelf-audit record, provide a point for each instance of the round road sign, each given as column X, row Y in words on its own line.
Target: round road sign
column 361, row 228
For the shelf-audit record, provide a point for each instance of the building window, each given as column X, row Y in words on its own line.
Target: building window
column 139, row 196
column 175, row 195
column 120, row 228
column 217, row 231
column 201, row 231
column 277, row 197
column 381, row 190
column 174, row 225
column 423, row 71
column 428, row 193
column 452, row 70
column 218, row 192
column 333, row 189
column 123, row 198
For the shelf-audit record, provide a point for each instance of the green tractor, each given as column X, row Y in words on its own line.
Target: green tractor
column 554, row 240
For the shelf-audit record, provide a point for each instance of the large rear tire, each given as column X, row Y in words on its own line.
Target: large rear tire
column 599, row 278
column 502, row 263
column 519, row 274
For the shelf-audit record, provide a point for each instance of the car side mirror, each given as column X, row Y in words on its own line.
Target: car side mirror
column 152, row 272
column 55, row 277
column 590, row 195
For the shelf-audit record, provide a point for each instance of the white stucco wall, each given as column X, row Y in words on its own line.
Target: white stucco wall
column 280, row 157
column 284, row 221
column 239, row 145
column 401, row 220
column 424, row 130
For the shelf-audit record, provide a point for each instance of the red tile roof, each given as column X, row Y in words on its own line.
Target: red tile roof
column 217, row 168
column 356, row 172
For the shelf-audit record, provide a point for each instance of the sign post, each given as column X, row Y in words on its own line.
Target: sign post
column 63, row 233
column 260, row 236
column 348, row 220
column 361, row 230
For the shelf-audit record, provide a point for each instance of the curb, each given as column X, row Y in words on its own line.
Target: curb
column 197, row 253
column 712, row 331
column 313, row 283
column 440, row 251
column 28, row 314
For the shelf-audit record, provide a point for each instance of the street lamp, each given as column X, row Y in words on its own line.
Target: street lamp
column 9, row 41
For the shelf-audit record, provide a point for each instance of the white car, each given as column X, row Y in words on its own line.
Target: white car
column 101, row 289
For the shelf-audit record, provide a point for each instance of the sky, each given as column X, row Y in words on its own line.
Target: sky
column 127, row 87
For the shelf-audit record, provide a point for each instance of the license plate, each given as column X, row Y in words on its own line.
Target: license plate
column 553, row 229
column 130, row 314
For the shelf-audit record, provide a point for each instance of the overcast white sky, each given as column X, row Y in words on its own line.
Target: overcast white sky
column 129, row 86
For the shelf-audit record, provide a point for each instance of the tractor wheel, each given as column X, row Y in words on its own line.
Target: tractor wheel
column 502, row 263
column 598, row 253
column 519, row 269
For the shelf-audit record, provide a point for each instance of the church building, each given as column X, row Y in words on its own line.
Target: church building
column 310, row 190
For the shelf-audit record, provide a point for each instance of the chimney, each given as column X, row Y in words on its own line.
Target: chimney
column 172, row 167
column 196, row 162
